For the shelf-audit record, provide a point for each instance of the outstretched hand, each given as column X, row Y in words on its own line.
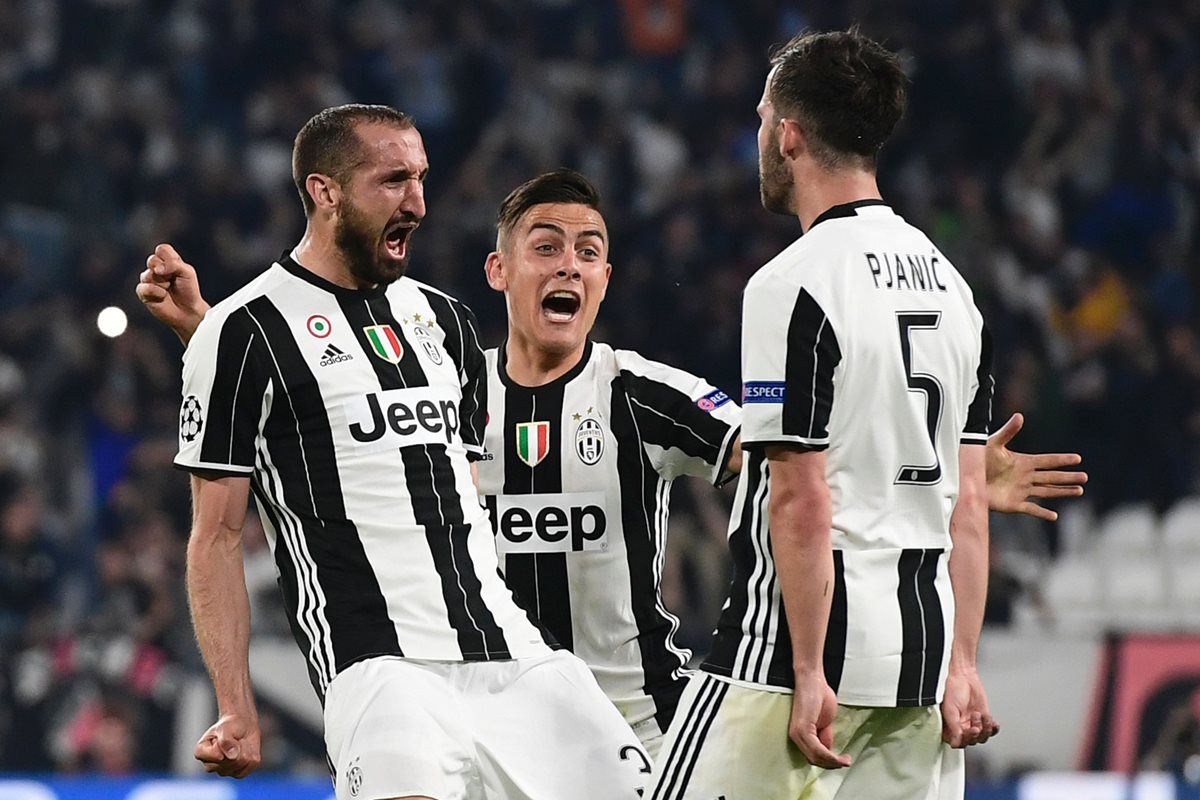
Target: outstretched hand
column 169, row 288
column 1014, row 478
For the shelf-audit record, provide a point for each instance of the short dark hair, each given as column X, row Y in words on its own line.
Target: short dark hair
column 329, row 145
column 559, row 186
column 846, row 91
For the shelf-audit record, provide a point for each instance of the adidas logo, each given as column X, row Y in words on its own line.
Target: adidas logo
column 333, row 355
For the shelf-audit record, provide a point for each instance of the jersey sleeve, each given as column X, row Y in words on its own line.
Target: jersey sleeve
column 472, row 373
column 686, row 425
column 462, row 343
column 979, row 413
column 790, row 355
column 225, row 382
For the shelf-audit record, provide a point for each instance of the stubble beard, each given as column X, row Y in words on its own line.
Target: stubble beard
column 775, row 180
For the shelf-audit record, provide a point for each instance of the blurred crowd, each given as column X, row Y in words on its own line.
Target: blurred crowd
column 1052, row 149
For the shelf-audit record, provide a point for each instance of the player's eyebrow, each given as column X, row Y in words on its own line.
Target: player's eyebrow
column 405, row 173
column 550, row 226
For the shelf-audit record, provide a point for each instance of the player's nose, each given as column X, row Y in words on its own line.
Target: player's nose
column 568, row 271
column 413, row 203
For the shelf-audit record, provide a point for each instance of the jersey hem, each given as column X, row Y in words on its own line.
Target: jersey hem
column 973, row 438
column 228, row 470
column 722, row 474
column 751, row 685
column 726, row 672
column 880, row 701
column 808, row 445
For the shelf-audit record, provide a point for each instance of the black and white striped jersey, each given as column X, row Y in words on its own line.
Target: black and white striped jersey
column 862, row 339
column 355, row 414
column 578, row 486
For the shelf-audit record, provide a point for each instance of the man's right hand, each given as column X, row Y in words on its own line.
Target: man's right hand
column 169, row 288
column 814, row 706
column 231, row 747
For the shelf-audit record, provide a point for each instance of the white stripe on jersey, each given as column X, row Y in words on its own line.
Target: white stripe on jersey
column 309, row 613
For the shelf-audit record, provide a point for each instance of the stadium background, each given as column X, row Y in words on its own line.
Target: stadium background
column 1052, row 149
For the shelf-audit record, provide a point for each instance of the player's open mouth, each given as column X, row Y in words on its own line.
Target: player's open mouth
column 395, row 241
column 561, row 306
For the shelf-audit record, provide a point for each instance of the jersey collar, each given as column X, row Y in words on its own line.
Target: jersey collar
column 561, row 380
column 287, row 262
column 845, row 210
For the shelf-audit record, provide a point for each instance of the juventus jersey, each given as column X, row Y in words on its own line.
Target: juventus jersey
column 578, row 487
column 354, row 414
column 863, row 340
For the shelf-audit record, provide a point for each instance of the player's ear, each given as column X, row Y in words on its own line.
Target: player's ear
column 323, row 190
column 493, row 268
column 792, row 141
column 607, row 275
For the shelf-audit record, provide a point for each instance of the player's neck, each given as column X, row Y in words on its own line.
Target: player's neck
column 318, row 254
column 528, row 365
column 819, row 190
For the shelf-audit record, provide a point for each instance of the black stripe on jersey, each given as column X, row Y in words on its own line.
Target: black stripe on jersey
column 640, row 503
column 539, row 580
column 834, row 655
column 234, row 404
column 669, row 418
column 462, row 343
column 922, row 628
column 812, row 355
column 300, row 442
column 362, row 313
column 437, row 506
column 680, row 760
column 979, row 413
column 723, row 657
column 299, row 606
column 763, row 595
column 935, row 625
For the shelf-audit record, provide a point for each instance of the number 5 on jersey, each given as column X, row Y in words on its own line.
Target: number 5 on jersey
column 921, row 475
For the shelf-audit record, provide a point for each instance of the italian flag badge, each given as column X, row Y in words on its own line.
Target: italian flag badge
column 533, row 441
column 385, row 343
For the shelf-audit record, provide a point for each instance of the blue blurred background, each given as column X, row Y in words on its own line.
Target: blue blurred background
column 1051, row 149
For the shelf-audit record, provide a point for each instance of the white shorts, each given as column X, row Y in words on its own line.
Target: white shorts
column 526, row 729
column 642, row 715
column 731, row 740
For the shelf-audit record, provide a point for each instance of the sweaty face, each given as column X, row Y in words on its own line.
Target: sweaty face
column 775, row 180
column 382, row 203
column 555, row 271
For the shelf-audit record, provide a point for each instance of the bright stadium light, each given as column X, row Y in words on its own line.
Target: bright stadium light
column 112, row 322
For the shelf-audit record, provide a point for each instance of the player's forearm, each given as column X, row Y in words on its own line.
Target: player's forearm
column 187, row 328
column 969, row 568
column 800, row 524
column 220, row 606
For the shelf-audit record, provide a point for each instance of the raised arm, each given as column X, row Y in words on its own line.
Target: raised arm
column 216, row 588
column 169, row 288
column 966, row 719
